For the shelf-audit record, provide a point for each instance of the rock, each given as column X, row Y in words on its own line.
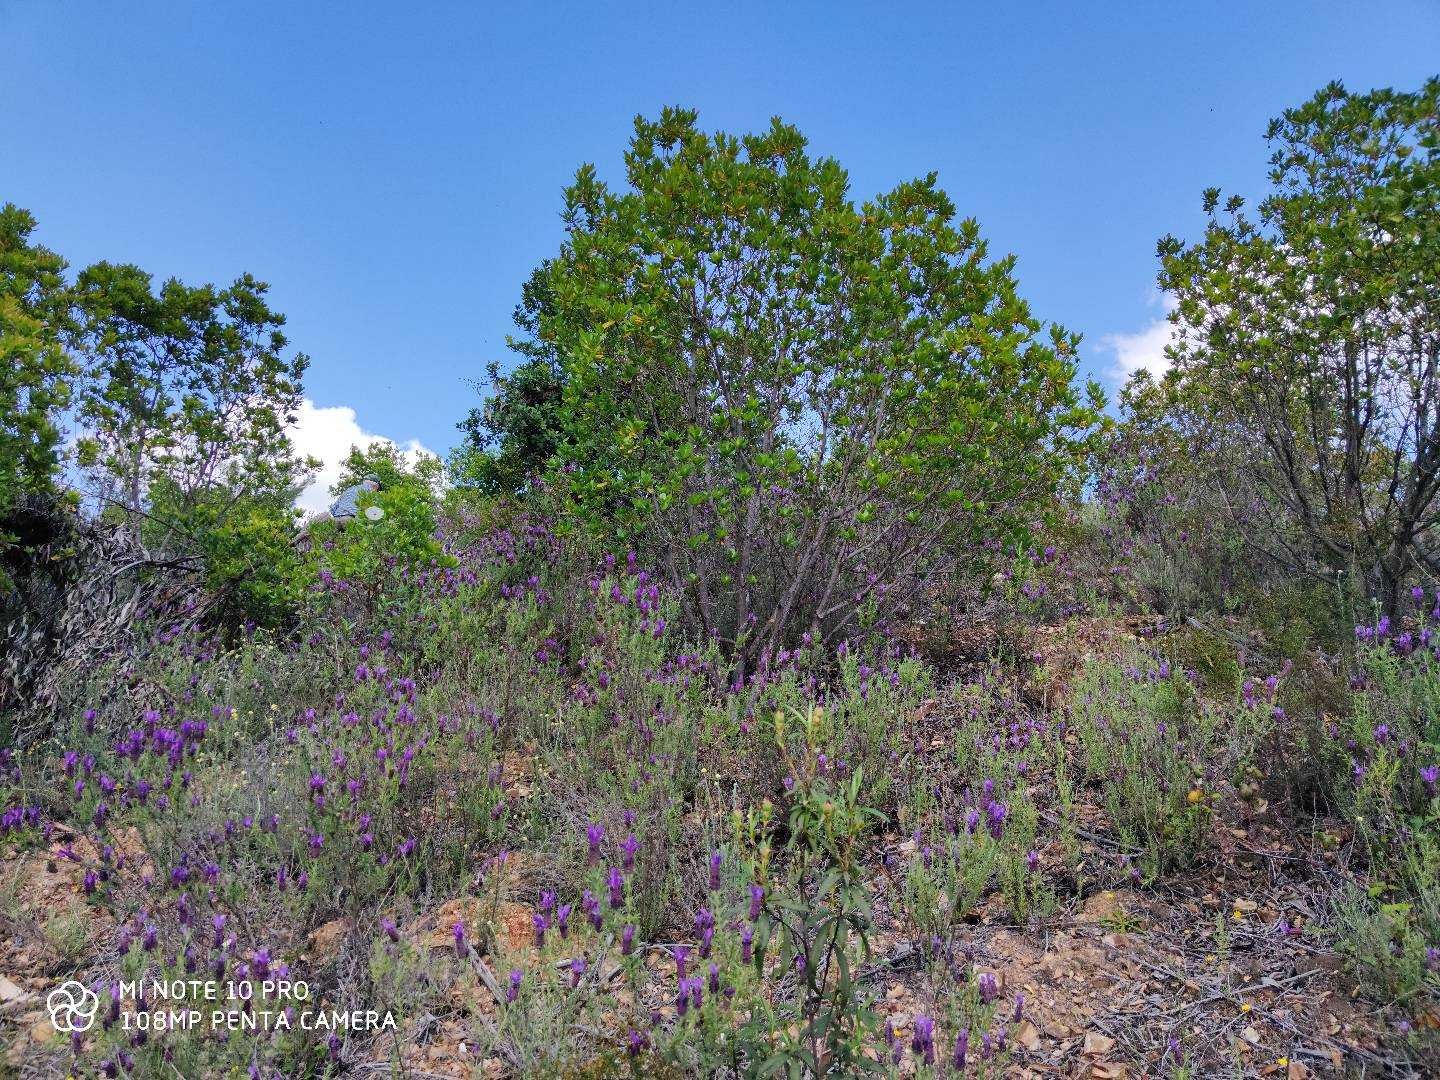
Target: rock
column 516, row 927
column 1097, row 1044
column 10, row 994
column 325, row 942
column 1027, row 1036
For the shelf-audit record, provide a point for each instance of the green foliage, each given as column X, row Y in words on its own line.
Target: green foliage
column 1308, row 356
column 1297, row 616
column 34, row 366
column 511, row 438
column 807, row 405
column 246, row 545
column 1383, row 757
column 1163, row 755
column 189, row 387
column 1383, row 945
column 821, row 924
column 405, row 534
column 1213, row 657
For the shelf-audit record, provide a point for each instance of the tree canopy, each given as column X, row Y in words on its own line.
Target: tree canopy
column 803, row 403
column 34, row 365
column 1309, row 335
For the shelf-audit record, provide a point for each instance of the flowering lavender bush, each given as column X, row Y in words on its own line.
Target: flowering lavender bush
column 440, row 731
column 817, row 448
column 1384, row 758
column 1162, row 753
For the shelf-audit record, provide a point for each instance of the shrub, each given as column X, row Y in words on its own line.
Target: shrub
column 1161, row 753
column 822, row 922
column 1306, row 344
column 1384, row 770
column 367, row 552
column 806, row 408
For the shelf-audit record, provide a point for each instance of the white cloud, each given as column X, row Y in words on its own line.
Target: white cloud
column 328, row 433
column 1145, row 348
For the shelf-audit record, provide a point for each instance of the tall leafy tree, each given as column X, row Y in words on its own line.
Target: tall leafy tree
column 804, row 405
column 34, row 366
column 511, row 437
column 187, row 394
column 1309, row 337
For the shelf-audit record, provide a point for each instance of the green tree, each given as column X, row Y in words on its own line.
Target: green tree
column 1308, row 348
column 188, row 386
column 512, row 436
column 35, row 368
column 404, row 534
column 803, row 406
column 244, row 543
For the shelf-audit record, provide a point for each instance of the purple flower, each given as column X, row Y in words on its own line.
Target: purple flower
column 682, row 998
column 458, row 930
column 962, row 1045
column 716, row 859
column 594, row 836
column 616, row 884
column 591, row 909
column 995, row 812
column 897, row 1048
column 757, row 899
column 577, row 971
column 513, row 991
column 922, row 1042
column 989, row 987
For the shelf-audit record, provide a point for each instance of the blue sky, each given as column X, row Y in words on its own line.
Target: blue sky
column 394, row 171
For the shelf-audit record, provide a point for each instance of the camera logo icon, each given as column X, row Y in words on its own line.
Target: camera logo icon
column 72, row 1007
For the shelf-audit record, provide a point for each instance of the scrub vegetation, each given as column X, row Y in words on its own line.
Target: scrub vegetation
column 796, row 670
